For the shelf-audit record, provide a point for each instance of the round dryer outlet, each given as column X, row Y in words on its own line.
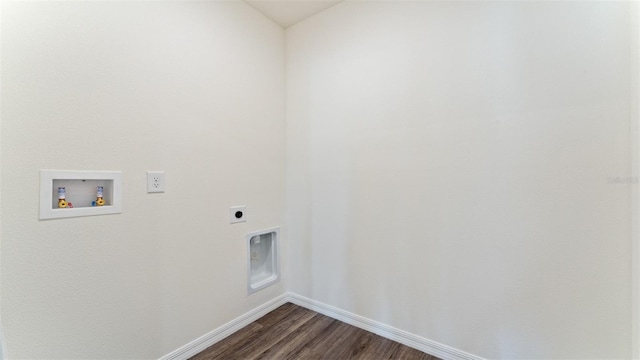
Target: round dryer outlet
column 237, row 214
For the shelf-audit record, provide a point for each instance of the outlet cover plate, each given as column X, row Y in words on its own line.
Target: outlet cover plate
column 237, row 214
column 155, row 182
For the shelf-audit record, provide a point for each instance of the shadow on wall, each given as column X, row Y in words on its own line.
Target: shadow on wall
column 2, row 357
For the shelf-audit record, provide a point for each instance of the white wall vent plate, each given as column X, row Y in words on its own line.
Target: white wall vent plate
column 262, row 251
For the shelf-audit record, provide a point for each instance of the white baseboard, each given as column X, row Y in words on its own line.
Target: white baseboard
column 198, row 345
column 425, row 345
column 428, row 346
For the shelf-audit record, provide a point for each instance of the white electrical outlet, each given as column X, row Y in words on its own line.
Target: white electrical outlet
column 155, row 181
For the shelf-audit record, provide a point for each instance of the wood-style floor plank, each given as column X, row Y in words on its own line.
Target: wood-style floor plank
column 291, row 332
column 382, row 349
column 289, row 347
column 267, row 336
column 230, row 343
column 248, row 333
column 331, row 344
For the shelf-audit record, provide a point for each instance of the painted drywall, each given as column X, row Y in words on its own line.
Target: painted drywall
column 635, row 166
column 2, row 352
column 288, row 12
column 195, row 89
column 461, row 171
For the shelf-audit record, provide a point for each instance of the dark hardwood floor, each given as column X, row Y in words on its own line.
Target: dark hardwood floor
column 293, row 332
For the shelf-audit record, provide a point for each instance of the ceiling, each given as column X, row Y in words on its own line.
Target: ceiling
column 289, row 12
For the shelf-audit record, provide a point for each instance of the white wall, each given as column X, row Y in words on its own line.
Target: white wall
column 453, row 169
column 635, row 166
column 192, row 88
column 448, row 171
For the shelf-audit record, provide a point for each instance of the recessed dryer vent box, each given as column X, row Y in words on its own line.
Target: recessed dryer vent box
column 263, row 259
column 80, row 190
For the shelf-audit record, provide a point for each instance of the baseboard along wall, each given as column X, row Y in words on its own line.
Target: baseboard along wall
column 198, row 345
column 417, row 342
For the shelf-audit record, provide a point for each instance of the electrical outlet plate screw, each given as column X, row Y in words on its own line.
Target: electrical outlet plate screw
column 155, row 181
